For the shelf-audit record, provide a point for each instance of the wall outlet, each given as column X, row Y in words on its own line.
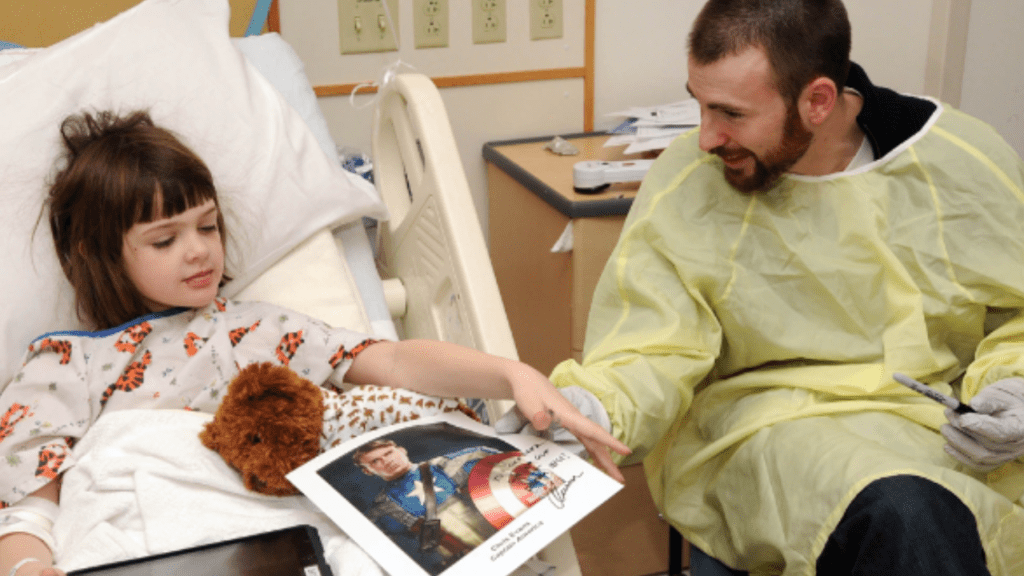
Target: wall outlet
column 488, row 21
column 364, row 26
column 545, row 19
column 430, row 19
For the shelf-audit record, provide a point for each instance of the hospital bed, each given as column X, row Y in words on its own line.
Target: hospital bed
column 143, row 483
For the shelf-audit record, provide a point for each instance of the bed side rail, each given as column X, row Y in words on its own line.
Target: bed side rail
column 434, row 243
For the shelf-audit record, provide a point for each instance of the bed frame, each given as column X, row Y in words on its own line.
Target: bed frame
column 433, row 248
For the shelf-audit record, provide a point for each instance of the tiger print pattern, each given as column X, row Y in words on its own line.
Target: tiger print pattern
column 131, row 338
column 62, row 347
column 150, row 364
column 368, row 407
column 130, row 379
column 16, row 413
column 289, row 345
column 192, row 343
column 51, row 457
column 236, row 335
column 343, row 354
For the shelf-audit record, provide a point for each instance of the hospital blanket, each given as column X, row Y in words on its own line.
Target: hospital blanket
column 144, row 484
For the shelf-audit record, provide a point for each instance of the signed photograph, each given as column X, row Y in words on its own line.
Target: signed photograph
column 445, row 495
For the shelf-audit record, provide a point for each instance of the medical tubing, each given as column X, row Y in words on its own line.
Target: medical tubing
column 389, row 70
column 21, row 563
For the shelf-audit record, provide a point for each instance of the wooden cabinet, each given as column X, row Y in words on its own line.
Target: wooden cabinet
column 547, row 295
column 547, row 298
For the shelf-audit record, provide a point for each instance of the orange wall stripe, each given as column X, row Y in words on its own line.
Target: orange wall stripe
column 274, row 17
column 468, row 80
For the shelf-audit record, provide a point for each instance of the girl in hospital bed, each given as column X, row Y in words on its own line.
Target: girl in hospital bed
column 140, row 235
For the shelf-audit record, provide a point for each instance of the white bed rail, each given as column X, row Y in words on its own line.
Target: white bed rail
column 434, row 243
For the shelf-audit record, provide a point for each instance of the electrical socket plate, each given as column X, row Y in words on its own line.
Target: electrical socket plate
column 364, row 26
column 430, row 20
column 545, row 19
column 488, row 21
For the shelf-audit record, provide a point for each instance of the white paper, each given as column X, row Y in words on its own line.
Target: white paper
column 564, row 243
column 649, row 144
column 683, row 112
column 655, row 127
column 570, row 488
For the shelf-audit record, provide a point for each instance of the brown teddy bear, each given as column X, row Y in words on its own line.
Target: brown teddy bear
column 273, row 421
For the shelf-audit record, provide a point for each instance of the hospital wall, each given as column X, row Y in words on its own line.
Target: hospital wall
column 965, row 52
column 639, row 58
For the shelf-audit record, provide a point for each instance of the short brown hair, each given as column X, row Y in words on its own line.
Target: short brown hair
column 370, row 446
column 803, row 39
column 117, row 171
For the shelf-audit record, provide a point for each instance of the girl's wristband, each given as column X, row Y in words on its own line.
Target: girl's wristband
column 21, row 563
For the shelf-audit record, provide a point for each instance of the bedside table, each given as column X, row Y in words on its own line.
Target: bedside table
column 547, row 299
column 547, row 296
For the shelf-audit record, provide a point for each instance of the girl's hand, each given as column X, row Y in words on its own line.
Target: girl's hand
column 548, row 408
column 453, row 371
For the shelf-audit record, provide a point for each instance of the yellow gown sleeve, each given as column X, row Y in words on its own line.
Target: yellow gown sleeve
column 987, row 253
column 651, row 338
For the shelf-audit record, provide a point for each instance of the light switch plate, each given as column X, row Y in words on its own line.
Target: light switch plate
column 364, row 26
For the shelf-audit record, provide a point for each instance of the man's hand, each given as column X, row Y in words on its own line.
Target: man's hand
column 571, row 417
column 994, row 433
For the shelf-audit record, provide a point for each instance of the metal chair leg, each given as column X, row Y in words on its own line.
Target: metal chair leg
column 675, row 552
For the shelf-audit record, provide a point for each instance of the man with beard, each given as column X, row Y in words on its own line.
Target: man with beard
column 816, row 235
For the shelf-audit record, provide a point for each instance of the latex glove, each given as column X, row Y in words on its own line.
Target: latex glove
column 994, row 434
column 513, row 422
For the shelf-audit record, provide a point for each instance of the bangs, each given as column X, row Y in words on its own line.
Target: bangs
column 168, row 199
column 169, row 181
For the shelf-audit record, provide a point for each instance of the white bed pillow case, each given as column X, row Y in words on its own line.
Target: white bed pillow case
column 174, row 58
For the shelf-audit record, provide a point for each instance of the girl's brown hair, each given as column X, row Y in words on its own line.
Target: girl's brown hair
column 117, row 171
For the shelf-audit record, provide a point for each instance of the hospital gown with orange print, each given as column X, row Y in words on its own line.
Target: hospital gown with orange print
column 179, row 359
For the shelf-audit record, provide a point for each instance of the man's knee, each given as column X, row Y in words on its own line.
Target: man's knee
column 907, row 524
column 908, row 502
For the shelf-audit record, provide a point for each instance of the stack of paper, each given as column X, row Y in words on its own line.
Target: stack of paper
column 653, row 128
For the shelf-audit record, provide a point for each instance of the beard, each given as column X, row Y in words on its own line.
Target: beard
column 795, row 141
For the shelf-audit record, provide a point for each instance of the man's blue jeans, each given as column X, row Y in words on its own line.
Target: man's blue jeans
column 904, row 525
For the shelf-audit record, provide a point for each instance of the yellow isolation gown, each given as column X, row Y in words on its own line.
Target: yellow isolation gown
column 745, row 345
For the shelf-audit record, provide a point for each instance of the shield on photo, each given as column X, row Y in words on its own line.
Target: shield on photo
column 505, row 485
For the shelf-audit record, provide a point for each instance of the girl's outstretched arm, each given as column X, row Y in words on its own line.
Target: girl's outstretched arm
column 19, row 546
column 445, row 369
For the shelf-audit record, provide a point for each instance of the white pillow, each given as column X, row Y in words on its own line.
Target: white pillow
column 278, row 62
column 11, row 55
column 173, row 57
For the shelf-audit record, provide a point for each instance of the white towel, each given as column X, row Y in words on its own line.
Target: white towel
column 145, row 484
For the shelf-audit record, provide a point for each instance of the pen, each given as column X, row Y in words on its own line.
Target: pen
column 948, row 401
